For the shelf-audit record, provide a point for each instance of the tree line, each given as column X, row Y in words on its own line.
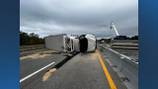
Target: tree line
column 30, row 39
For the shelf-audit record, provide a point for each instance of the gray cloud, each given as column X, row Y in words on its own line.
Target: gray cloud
column 46, row 17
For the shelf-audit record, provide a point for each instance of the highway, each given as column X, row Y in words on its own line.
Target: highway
column 83, row 71
column 29, row 64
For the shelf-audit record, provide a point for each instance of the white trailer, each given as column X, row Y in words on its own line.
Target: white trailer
column 55, row 42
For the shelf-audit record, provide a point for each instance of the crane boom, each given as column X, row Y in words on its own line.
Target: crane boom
column 113, row 27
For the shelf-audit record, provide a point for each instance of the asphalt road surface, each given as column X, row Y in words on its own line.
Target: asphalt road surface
column 126, row 68
column 83, row 71
column 32, row 63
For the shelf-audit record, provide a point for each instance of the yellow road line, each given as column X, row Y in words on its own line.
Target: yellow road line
column 106, row 72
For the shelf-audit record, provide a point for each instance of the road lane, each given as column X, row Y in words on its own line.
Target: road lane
column 125, row 68
column 106, row 72
column 34, row 73
column 31, row 64
column 81, row 72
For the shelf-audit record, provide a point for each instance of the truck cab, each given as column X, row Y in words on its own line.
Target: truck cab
column 83, row 43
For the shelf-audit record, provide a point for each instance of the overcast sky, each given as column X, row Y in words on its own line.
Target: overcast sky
column 46, row 17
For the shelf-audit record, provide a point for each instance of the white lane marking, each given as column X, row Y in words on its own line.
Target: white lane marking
column 122, row 55
column 30, row 75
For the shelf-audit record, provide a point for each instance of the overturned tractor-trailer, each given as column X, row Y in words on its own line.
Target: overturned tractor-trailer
column 71, row 43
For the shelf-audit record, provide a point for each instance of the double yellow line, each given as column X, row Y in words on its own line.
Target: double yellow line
column 106, row 72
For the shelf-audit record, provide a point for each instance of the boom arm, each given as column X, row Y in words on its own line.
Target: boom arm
column 113, row 27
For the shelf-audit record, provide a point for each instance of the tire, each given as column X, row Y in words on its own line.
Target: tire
column 83, row 43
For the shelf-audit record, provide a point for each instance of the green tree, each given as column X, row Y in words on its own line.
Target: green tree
column 30, row 39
